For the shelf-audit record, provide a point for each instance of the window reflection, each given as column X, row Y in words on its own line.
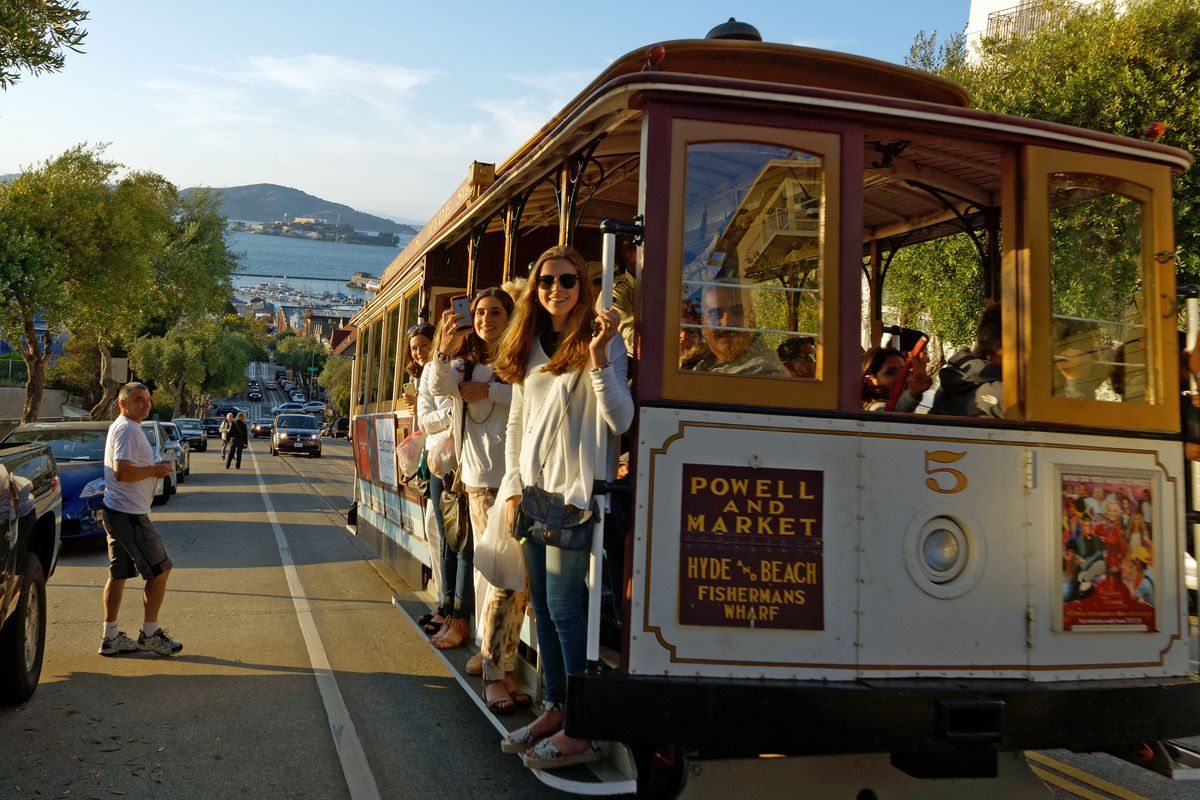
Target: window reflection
column 1099, row 346
column 752, row 261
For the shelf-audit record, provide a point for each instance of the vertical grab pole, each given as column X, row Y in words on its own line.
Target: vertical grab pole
column 596, row 564
column 1193, row 469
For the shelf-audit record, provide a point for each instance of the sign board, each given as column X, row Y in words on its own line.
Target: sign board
column 751, row 552
column 385, row 442
column 120, row 370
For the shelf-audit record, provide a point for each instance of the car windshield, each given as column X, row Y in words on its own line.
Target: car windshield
column 302, row 421
column 264, row 422
column 67, row 445
column 151, row 436
column 189, row 425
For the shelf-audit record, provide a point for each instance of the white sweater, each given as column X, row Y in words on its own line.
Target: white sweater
column 433, row 412
column 538, row 433
column 481, row 454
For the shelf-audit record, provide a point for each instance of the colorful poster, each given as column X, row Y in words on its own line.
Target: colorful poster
column 751, row 550
column 1107, row 551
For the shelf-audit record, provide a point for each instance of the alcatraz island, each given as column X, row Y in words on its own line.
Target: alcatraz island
column 315, row 228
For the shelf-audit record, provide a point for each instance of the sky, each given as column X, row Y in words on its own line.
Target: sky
column 378, row 105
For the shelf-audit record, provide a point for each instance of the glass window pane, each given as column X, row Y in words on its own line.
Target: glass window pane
column 753, row 230
column 1099, row 344
column 392, row 333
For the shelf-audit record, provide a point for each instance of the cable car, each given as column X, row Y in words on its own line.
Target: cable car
column 808, row 593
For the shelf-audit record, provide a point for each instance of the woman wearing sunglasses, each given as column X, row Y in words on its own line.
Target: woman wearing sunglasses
column 566, row 381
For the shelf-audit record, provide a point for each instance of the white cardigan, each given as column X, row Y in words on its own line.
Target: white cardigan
column 433, row 412
column 538, row 433
column 481, row 456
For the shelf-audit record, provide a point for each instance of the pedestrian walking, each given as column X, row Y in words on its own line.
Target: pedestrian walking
column 134, row 546
column 239, row 439
column 226, row 424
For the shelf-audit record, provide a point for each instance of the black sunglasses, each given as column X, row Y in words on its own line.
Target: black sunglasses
column 567, row 281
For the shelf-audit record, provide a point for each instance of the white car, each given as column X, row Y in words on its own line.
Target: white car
column 315, row 407
column 163, row 487
column 297, row 397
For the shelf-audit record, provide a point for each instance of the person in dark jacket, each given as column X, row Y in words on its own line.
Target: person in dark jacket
column 239, row 438
column 971, row 381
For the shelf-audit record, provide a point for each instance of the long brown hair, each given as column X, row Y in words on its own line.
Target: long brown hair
column 474, row 348
column 530, row 320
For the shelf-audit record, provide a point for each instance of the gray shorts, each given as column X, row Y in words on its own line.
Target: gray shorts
column 134, row 546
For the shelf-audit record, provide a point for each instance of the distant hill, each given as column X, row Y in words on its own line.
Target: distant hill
column 269, row 202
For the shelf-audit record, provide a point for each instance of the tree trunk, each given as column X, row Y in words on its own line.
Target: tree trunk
column 108, row 387
column 35, row 353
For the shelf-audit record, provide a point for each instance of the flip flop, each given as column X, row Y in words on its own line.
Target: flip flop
column 546, row 755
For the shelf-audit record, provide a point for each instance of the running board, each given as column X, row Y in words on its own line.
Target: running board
column 609, row 776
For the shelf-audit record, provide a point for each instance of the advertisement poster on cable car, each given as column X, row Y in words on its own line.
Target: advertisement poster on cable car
column 385, row 443
column 751, row 548
column 1107, row 551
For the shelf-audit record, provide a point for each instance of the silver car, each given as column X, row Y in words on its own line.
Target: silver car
column 180, row 449
column 164, row 488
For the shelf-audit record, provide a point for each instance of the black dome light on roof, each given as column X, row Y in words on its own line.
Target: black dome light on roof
column 733, row 29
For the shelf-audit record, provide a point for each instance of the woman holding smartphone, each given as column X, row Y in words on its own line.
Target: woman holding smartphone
column 461, row 370
column 567, row 380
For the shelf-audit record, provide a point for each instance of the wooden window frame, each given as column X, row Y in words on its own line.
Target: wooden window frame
column 1161, row 412
column 818, row 392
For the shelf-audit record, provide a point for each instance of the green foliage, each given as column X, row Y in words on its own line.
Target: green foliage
column 76, row 369
column 34, row 35
column 916, row 286
column 193, row 361
column 254, row 331
column 298, row 353
column 335, row 377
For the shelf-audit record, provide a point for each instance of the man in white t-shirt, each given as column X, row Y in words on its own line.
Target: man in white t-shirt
column 134, row 546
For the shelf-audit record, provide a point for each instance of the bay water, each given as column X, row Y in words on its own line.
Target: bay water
column 307, row 264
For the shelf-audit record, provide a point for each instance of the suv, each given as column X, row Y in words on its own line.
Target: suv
column 164, row 488
column 180, row 450
column 30, row 507
column 296, row 433
column 193, row 433
column 284, row 408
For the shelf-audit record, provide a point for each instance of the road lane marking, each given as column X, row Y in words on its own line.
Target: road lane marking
column 1092, row 780
column 1074, row 788
column 359, row 778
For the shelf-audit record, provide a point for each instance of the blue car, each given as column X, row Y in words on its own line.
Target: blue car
column 78, row 449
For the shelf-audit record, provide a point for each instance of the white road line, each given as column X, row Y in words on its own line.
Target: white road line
column 359, row 778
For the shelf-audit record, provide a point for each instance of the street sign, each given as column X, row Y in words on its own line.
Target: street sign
column 312, row 369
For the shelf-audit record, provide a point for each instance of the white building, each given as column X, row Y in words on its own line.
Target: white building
column 1005, row 18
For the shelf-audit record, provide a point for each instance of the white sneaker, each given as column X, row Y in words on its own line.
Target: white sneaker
column 159, row 643
column 118, row 644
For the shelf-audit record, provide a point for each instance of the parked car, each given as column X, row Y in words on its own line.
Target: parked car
column 78, row 449
column 30, row 509
column 296, row 433
column 336, row 428
column 261, row 429
column 194, row 433
column 164, row 488
column 212, row 426
column 298, row 397
column 180, row 450
column 284, row 408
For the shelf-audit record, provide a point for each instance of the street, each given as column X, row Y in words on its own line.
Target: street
column 242, row 711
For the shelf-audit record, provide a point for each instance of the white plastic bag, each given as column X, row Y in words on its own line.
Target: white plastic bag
column 498, row 556
column 410, row 453
column 440, row 456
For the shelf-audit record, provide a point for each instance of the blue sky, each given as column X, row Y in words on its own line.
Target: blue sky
column 379, row 105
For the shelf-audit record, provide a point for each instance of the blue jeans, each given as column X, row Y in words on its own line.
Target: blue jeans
column 558, row 594
column 445, row 561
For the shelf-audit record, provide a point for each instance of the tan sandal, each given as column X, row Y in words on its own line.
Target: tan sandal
column 455, row 636
column 497, row 698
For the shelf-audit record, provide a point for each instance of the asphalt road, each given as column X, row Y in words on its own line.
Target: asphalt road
column 241, row 712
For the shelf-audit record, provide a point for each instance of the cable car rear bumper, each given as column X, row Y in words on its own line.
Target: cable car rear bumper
column 727, row 718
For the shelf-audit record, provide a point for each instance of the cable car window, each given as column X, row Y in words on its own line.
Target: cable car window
column 752, row 250
column 1096, row 258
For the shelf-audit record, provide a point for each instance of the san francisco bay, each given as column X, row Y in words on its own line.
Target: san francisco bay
column 306, row 264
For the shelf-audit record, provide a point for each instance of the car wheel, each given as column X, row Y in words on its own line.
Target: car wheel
column 274, row 452
column 23, row 641
column 181, row 477
column 317, row 454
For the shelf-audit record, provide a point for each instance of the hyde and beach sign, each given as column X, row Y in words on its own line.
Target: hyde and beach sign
column 750, row 550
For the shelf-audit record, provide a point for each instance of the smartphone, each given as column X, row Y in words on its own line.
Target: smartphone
column 410, row 390
column 462, row 308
